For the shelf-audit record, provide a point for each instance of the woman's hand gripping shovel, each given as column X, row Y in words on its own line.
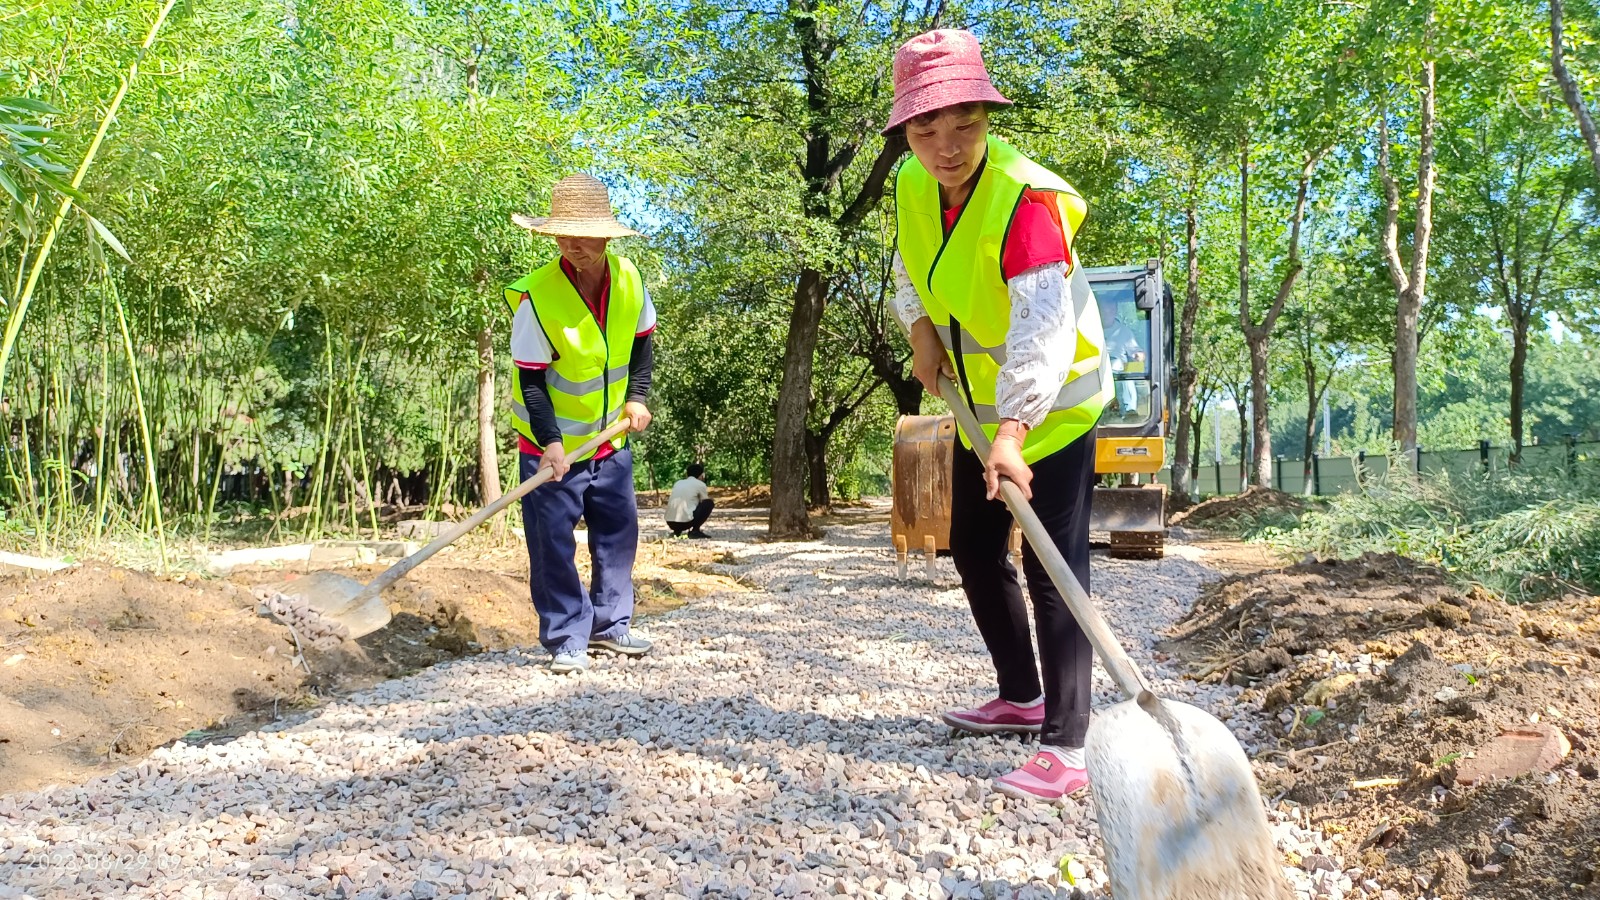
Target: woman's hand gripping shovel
column 360, row 607
column 1178, row 806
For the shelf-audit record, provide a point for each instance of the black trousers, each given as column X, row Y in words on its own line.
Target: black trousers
column 1063, row 486
column 702, row 512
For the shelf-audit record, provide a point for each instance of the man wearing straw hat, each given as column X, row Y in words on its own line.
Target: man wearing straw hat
column 580, row 341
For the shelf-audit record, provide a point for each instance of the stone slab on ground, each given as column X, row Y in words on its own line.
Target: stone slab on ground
column 22, row 563
column 313, row 555
column 1516, row 752
column 422, row 529
column 228, row 560
column 379, row 549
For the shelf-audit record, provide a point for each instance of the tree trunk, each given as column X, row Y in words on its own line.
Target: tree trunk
column 1519, row 364
column 488, row 457
column 1408, row 311
column 1410, row 287
column 787, row 519
column 1569, row 87
column 1183, row 477
column 1199, row 421
column 1255, row 341
column 829, row 149
column 905, row 387
column 907, row 395
column 1311, row 419
column 1260, row 434
column 817, row 469
column 1244, row 446
column 1258, row 336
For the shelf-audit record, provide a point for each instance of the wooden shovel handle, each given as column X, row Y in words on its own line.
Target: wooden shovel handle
column 400, row 569
column 1115, row 659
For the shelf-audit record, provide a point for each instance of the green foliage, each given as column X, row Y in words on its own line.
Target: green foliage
column 301, row 212
column 1526, row 534
column 315, row 212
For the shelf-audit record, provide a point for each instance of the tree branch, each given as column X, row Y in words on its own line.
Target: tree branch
column 871, row 190
column 1551, row 240
column 1245, row 320
column 1569, row 87
column 1296, row 266
column 1389, row 239
column 1425, row 179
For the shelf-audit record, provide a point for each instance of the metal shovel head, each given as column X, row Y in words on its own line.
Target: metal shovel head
column 334, row 596
column 1178, row 806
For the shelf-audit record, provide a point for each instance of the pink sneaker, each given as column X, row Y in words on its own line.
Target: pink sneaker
column 998, row 716
column 1042, row 778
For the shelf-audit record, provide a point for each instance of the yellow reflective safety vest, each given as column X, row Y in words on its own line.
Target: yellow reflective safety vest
column 959, row 279
column 588, row 375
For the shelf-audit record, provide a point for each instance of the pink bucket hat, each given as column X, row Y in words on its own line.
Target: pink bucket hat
column 938, row 69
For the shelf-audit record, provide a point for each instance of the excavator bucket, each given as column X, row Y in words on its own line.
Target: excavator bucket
column 1136, row 518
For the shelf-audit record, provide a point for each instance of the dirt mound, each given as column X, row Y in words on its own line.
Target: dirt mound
column 1390, row 686
column 1230, row 511
column 100, row 664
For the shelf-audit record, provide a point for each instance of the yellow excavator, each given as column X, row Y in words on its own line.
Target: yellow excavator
column 1130, row 506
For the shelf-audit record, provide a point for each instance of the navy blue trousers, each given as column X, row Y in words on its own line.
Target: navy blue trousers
column 601, row 491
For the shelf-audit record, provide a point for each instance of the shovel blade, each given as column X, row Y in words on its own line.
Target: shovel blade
column 334, row 596
column 1178, row 807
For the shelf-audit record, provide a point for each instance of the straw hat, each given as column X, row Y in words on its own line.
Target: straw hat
column 938, row 69
column 579, row 207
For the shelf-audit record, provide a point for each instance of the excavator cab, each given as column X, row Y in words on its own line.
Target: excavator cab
column 1136, row 313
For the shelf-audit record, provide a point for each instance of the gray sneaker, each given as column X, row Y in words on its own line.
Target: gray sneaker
column 628, row 644
column 567, row 663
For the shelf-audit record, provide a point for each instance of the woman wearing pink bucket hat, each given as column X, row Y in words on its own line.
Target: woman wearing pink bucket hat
column 993, row 296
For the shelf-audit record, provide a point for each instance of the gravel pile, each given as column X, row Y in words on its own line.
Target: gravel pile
column 308, row 625
column 779, row 743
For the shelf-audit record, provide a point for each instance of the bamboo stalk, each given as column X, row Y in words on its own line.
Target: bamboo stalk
column 25, row 296
column 46, row 500
column 63, row 399
column 16, row 483
column 100, row 432
column 366, row 474
column 327, row 436
column 152, row 485
column 272, row 483
column 64, row 449
column 33, row 491
column 238, row 403
column 22, row 267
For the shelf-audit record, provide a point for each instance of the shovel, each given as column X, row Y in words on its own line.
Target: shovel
column 360, row 607
column 1178, row 806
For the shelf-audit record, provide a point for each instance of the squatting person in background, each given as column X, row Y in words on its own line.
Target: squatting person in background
column 991, row 294
column 690, row 504
column 581, row 341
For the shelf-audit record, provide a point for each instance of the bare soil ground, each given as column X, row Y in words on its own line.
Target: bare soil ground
column 1388, row 681
column 100, row 664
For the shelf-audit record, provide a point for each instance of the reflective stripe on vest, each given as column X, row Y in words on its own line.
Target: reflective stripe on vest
column 962, row 287
column 588, row 378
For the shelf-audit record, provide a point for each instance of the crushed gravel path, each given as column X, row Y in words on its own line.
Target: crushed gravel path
column 782, row 742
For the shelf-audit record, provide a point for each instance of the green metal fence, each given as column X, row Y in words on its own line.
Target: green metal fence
column 1335, row 474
